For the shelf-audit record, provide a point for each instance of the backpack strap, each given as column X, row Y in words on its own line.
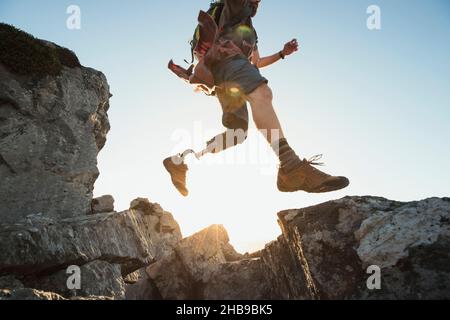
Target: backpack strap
column 208, row 32
column 238, row 19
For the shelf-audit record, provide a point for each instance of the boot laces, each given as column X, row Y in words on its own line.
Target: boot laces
column 314, row 160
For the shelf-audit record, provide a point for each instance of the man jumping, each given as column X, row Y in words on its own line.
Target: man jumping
column 229, row 63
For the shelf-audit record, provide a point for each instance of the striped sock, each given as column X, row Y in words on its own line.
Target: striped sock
column 289, row 160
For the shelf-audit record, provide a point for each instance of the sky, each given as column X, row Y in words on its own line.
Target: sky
column 375, row 103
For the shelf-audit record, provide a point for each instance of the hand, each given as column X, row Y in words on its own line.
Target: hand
column 290, row 47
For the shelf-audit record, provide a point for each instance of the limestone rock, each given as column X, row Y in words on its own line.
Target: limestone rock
column 145, row 206
column 140, row 287
column 133, row 277
column 104, row 204
column 53, row 123
column 182, row 274
column 10, row 282
column 243, row 280
column 335, row 243
column 40, row 244
column 98, row 278
column 167, row 223
column 282, row 272
column 51, row 129
column 324, row 253
column 28, row 294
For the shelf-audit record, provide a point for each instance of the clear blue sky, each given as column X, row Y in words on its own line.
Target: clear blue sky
column 375, row 103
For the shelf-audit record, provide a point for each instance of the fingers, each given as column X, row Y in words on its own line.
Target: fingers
column 291, row 47
column 292, row 44
column 295, row 45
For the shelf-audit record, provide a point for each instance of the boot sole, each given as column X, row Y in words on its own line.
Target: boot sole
column 322, row 189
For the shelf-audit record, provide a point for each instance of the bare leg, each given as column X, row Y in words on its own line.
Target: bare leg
column 294, row 174
column 267, row 122
column 264, row 115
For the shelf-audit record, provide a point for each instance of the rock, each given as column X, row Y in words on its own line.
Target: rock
column 98, row 278
column 103, row 204
column 157, row 210
column 202, row 252
column 42, row 245
column 133, row 277
column 144, row 289
column 29, row 294
column 335, row 243
column 243, row 280
column 173, row 280
column 53, row 123
column 167, row 223
column 10, row 282
column 145, row 206
column 91, row 298
column 324, row 253
column 37, row 295
column 182, row 274
column 282, row 272
column 141, row 287
column 273, row 275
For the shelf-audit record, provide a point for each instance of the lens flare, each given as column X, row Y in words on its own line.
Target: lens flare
column 234, row 91
column 244, row 31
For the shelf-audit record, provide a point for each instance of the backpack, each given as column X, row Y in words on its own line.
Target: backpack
column 215, row 11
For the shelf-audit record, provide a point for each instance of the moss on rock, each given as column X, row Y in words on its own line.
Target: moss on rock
column 23, row 54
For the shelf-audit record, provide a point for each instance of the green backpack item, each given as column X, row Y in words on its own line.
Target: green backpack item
column 215, row 11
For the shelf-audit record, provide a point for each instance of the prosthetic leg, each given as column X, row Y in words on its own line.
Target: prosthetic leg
column 178, row 169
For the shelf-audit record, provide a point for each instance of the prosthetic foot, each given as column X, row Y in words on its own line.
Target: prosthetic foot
column 178, row 171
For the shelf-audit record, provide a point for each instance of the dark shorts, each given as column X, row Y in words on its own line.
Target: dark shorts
column 235, row 79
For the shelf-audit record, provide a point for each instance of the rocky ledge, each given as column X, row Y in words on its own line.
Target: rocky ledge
column 37, row 252
column 53, row 124
column 325, row 252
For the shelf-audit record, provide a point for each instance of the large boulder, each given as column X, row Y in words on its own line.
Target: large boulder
column 138, row 286
column 244, row 280
column 335, row 250
column 53, row 123
column 28, row 294
column 39, row 244
column 338, row 243
column 97, row 278
column 182, row 274
column 104, row 204
column 39, row 249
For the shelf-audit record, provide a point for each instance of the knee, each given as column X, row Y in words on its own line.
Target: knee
column 231, row 121
column 262, row 93
column 239, row 132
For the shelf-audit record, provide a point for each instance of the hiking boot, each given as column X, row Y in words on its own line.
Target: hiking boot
column 309, row 179
column 177, row 170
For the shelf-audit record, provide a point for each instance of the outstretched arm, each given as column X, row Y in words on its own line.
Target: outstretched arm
column 289, row 48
